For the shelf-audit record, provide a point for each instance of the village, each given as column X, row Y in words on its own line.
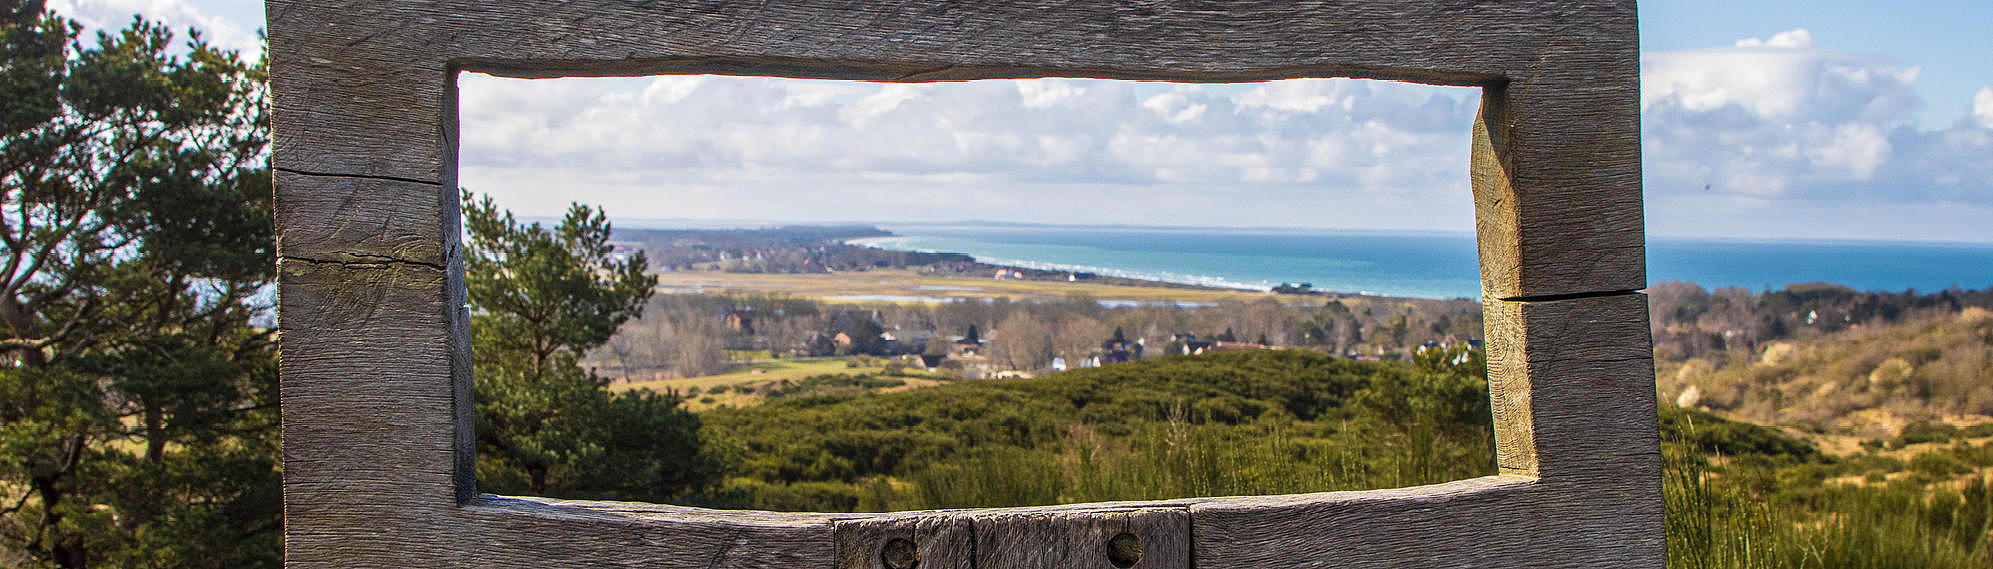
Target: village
column 741, row 301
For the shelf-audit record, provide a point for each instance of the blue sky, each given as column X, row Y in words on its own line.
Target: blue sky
column 1762, row 119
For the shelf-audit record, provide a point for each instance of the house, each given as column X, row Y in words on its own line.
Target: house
column 907, row 340
column 932, row 361
column 741, row 321
column 1112, row 352
column 1187, row 344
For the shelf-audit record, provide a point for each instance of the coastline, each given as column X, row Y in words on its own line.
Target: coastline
column 1441, row 266
column 1029, row 270
column 965, row 278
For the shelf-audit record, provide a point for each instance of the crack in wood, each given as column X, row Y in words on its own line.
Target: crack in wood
column 362, row 176
column 383, row 263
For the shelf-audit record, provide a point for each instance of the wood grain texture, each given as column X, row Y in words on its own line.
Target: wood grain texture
column 1081, row 539
column 509, row 533
column 1501, row 521
column 1572, row 382
column 355, row 112
column 364, row 220
column 1556, row 175
column 369, row 397
column 1572, row 385
column 941, row 541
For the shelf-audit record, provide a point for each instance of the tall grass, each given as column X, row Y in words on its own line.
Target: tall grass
column 1180, row 458
column 1718, row 518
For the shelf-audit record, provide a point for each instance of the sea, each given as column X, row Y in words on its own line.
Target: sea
column 1429, row 265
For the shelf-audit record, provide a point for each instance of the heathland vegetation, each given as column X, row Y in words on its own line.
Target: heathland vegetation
column 1814, row 426
column 1228, row 423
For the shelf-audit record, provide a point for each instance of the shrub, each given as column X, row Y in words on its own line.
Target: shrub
column 1924, row 432
column 1938, row 465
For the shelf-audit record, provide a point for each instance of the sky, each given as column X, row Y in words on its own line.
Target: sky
column 1767, row 119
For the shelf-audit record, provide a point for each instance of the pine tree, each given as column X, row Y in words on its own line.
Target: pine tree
column 137, row 364
column 541, row 298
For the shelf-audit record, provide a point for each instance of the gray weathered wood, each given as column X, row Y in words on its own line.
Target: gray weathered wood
column 1498, row 521
column 1556, row 177
column 377, row 220
column 1572, row 383
column 1057, row 539
column 1021, row 538
column 375, row 363
column 1563, row 80
column 941, row 541
column 371, row 455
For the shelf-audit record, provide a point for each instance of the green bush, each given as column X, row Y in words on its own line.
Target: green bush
column 1938, row 465
column 1245, row 422
column 1710, row 434
column 1924, row 432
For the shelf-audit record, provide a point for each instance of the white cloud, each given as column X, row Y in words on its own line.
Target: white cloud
column 1982, row 107
column 1770, row 137
column 1178, row 106
column 1296, row 96
column 1792, row 38
column 1043, row 150
column 1856, row 149
column 1041, row 93
column 1779, row 118
column 1791, row 82
column 112, row 15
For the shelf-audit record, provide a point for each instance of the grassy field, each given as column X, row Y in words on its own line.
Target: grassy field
column 724, row 389
column 912, row 285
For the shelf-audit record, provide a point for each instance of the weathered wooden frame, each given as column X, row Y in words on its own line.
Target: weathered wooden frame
column 376, row 374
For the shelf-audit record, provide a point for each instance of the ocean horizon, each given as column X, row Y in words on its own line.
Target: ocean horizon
column 1427, row 264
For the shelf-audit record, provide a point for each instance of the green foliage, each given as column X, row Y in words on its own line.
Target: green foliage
column 1236, row 422
column 1924, row 432
column 1400, row 328
column 539, row 292
column 137, row 390
column 541, row 298
column 834, row 384
column 1707, row 433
